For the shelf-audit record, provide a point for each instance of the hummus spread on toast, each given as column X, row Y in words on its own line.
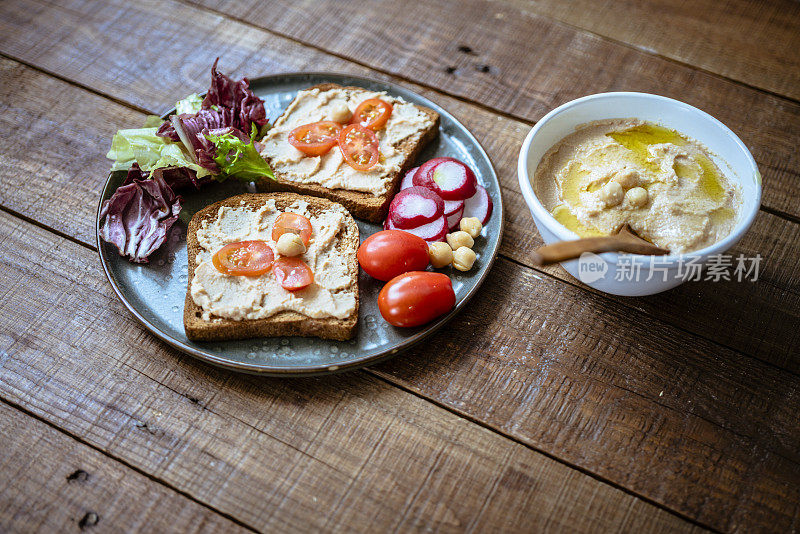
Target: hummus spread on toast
column 332, row 294
column 330, row 170
column 663, row 184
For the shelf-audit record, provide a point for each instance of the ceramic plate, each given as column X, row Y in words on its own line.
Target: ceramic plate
column 155, row 292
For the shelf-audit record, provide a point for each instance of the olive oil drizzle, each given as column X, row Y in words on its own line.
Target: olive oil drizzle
column 637, row 141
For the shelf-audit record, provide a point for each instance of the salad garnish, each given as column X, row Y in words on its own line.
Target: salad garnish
column 139, row 214
column 208, row 138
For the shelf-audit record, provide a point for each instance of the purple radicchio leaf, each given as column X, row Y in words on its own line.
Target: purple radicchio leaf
column 191, row 124
column 190, row 130
column 167, row 130
column 181, row 178
column 139, row 214
column 227, row 103
column 237, row 96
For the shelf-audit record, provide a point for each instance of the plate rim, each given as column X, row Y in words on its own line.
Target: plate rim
column 315, row 370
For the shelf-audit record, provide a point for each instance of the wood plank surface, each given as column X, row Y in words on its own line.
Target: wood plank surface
column 752, row 41
column 765, row 315
column 339, row 453
column 49, row 482
column 502, row 380
column 525, row 64
column 624, row 423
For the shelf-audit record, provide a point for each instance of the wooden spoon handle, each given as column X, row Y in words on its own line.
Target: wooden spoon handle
column 569, row 250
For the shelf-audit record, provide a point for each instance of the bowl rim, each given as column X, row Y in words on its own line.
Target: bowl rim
column 545, row 217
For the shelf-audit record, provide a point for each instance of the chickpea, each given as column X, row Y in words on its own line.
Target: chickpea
column 637, row 196
column 464, row 258
column 612, row 194
column 440, row 254
column 471, row 225
column 340, row 112
column 290, row 244
column 460, row 239
column 626, row 178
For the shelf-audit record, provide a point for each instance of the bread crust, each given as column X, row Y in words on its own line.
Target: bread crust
column 285, row 323
column 362, row 205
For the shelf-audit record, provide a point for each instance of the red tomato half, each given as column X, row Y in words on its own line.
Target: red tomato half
column 245, row 258
column 386, row 254
column 416, row 298
column 315, row 139
column 372, row 113
column 359, row 147
column 292, row 273
column 294, row 223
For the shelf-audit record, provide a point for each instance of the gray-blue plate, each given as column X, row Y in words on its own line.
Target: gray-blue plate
column 155, row 292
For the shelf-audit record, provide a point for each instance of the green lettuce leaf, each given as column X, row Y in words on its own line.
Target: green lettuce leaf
column 143, row 146
column 238, row 159
column 190, row 104
column 152, row 120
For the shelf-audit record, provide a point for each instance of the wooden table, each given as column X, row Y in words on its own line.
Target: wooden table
column 546, row 406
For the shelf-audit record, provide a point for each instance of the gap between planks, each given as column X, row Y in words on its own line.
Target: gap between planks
column 475, row 103
column 163, row 483
column 632, row 46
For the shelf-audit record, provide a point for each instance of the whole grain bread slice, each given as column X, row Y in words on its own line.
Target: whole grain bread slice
column 362, row 205
column 284, row 323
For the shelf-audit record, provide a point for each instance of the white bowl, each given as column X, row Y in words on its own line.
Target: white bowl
column 655, row 274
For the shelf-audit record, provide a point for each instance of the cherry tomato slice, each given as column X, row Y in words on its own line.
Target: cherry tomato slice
column 359, row 147
column 292, row 223
column 315, row 139
column 292, row 273
column 244, row 258
column 372, row 113
column 416, row 298
column 388, row 253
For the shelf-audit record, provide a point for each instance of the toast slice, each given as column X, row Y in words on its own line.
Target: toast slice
column 363, row 205
column 282, row 323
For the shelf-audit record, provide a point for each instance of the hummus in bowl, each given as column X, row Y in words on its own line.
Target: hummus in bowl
column 665, row 185
column 693, row 143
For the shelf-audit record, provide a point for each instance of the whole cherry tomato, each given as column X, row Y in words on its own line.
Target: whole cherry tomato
column 292, row 273
column 372, row 113
column 359, row 147
column 244, row 258
column 315, row 139
column 295, row 223
column 416, row 298
column 386, row 254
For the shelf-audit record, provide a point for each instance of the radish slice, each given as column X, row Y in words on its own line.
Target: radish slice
column 452, row 179
column 456, row 181
column 452, row 206
column 408, row 179
column 414, row 207
column 430, row 232
column 423, row 175
column 479, row 205
column 454, row 218
column 424, row 169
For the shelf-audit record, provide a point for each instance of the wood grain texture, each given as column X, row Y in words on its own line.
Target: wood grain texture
column 525, row 64
column 752, row 41
column 345, row 453
column 584, row 379
column 588, row 373
column 543, row 375
column 52, row 483
column 766, row 314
